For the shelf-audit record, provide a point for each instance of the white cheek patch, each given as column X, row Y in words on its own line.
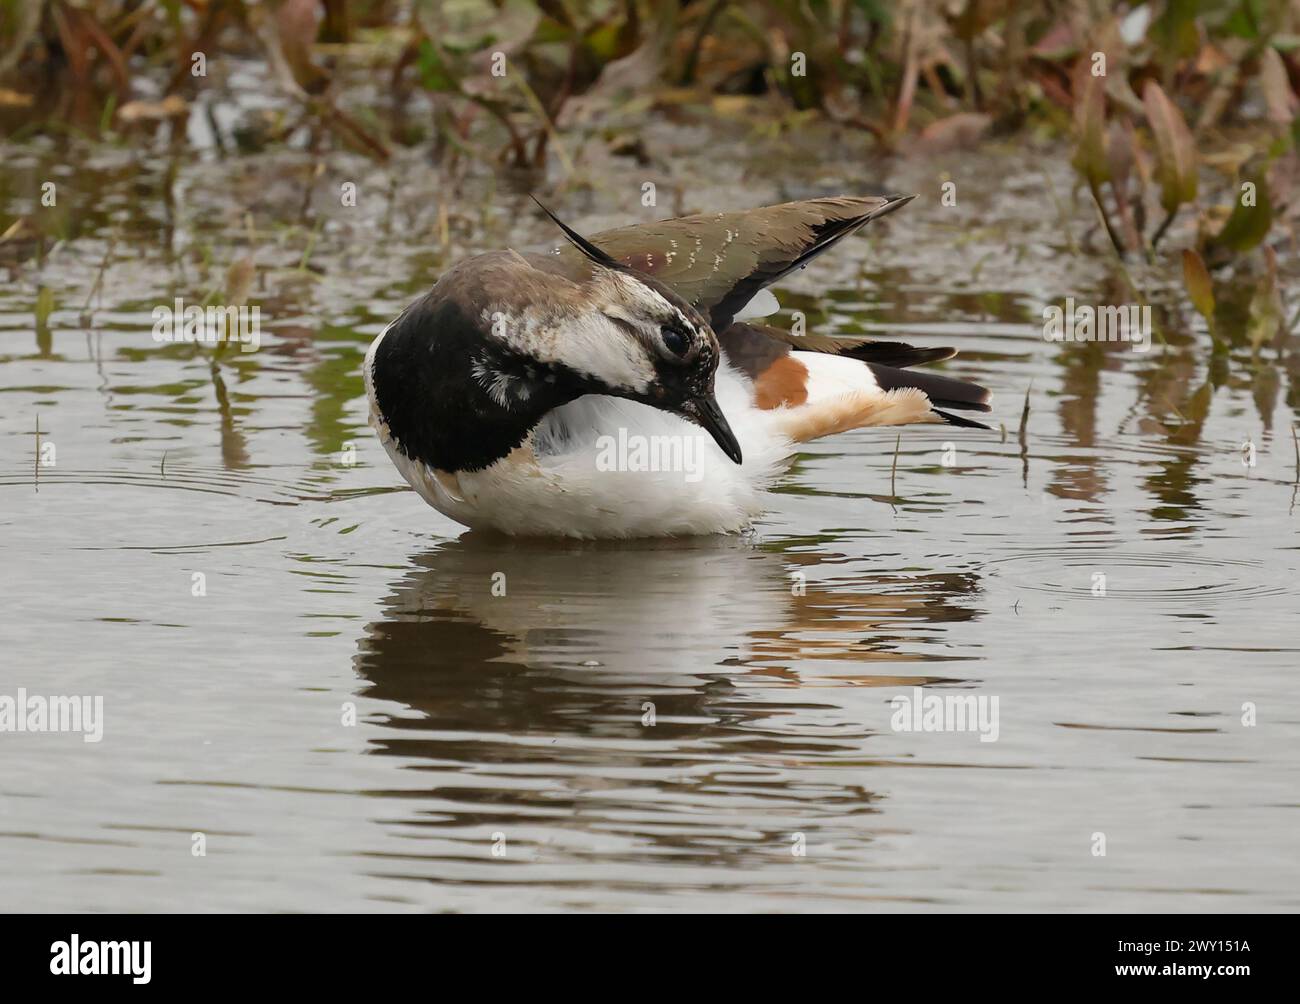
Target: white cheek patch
column 587, row 342
column 598, row 347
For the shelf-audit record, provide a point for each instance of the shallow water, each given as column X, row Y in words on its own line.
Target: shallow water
column 516, row 722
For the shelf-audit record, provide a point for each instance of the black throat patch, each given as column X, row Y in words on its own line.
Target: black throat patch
column 454, row 398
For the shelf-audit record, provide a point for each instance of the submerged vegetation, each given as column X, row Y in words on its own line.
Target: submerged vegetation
column 1174, row 111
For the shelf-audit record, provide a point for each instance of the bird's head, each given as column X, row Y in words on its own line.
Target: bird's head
column 647, row 344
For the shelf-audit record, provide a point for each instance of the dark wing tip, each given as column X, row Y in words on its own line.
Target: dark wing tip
column 834, row 229
column 893, row 203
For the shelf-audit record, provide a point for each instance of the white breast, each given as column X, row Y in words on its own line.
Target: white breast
column 606, row 467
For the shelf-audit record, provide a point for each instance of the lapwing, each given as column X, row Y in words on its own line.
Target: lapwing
column 624, row 385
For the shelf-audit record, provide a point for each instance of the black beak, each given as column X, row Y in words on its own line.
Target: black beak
column 705, row 412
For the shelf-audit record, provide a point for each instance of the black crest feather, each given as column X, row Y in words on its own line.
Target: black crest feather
column 589, row 249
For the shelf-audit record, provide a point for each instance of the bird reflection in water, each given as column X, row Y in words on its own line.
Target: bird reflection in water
column 534, row 636
column 532, row 702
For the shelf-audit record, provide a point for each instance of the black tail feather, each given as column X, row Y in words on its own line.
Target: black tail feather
column 943, row 392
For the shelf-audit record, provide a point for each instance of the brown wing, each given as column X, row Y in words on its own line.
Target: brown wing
column 719, row 261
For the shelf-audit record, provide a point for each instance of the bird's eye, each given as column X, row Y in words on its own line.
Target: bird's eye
column 675, row 339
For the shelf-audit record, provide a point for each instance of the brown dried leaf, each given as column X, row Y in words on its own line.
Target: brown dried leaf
column 1175, row 154
column 296, row 25
column 1090, row 156
column 1273, row 79
column 1196, row 277
column 965, row 129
